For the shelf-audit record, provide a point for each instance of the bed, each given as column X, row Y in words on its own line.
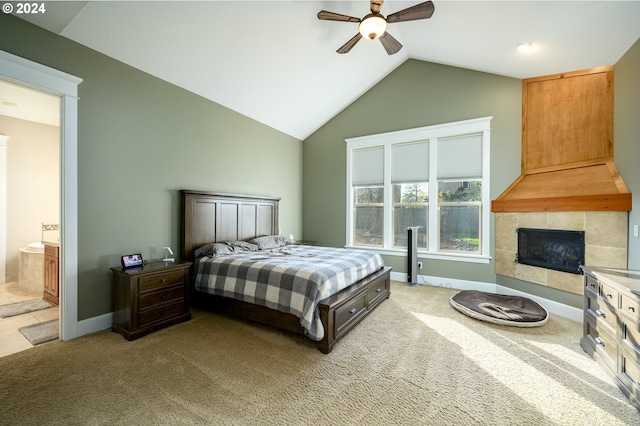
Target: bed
column 335, row 300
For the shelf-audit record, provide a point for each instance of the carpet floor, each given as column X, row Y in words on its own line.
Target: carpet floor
column 414, row 361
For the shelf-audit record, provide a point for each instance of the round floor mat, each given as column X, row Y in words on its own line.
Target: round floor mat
column 515, row 311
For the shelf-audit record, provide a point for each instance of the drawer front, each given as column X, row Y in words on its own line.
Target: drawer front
column 603, row 344
column 630, row 307
column 591, row 283
column 376, row 294
column 603, row 312
column 51, row 250
column 161, row 313
column 164, row 279
column 630, row 373
column 159, row 297
column 631, row 334
column 610, row 295
column 349, row 312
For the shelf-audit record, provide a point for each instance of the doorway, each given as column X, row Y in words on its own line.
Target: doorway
column 30, row 215
column 23, row 72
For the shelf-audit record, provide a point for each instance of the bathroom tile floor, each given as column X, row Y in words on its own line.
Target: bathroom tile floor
column 11, row 340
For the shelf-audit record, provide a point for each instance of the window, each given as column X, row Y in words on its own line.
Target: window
column 390, row 178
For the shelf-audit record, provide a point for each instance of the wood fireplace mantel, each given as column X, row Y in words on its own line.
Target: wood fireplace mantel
column 596, row 187
column 567, row 146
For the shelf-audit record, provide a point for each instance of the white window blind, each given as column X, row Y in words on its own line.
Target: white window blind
column 460, row 157
column 368, row 166
column 410, row 162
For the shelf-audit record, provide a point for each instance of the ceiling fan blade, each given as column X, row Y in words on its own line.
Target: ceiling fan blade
column 332, row 16
column 391, row 45
column 376, row 5
column 345, row 48
column 419, row 11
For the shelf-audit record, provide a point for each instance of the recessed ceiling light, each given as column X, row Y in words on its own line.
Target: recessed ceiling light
column 523, row 45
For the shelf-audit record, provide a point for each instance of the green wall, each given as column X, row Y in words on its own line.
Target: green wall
column 416, row 94
column 420, row 94
column 626, row 133
column 141, row 140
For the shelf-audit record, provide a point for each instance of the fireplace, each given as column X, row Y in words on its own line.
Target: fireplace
column 551, row 248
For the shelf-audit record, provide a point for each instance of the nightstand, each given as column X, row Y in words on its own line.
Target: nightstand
column 150, row 297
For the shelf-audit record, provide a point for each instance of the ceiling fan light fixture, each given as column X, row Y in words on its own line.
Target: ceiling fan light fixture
column 372, row 26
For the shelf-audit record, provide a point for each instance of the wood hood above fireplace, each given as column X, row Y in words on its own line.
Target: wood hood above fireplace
column 567, row 146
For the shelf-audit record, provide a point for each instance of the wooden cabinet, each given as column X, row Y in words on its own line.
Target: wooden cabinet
column 567, row 119
column 150, row 297
column 51, row 274
column 612, row 325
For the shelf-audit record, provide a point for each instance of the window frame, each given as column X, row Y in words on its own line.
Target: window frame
column 431, row 134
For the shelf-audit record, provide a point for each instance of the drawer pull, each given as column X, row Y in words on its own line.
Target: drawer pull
column 599, row 313
column 609, row 296
column 163, row 297
column 378, row 290
column 631, row 308
column 352, row 311
column 599, row 341
column 164, row 280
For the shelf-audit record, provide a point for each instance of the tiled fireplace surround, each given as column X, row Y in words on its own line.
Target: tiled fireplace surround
column 605, row 244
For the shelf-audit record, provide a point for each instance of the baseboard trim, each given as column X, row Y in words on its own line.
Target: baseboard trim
column 553, row 307
column 95, row 324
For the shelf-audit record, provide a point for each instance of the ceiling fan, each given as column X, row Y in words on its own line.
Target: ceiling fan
column 374, row 25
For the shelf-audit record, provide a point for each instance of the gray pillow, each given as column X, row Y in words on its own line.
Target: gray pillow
column 213, row 250
column 270, row 241
column 239, row 246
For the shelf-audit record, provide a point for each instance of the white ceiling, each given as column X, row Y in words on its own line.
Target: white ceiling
column 275, row 62
column 28, row 104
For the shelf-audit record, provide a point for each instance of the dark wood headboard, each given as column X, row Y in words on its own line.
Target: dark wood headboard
column 209, row 217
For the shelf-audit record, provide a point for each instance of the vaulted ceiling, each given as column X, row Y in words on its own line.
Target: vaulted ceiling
column 275, row 62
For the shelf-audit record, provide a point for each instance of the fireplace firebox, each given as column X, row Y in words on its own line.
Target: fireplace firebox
column 551, row 248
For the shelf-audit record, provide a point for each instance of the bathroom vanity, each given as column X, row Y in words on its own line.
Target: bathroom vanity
column 51, row 272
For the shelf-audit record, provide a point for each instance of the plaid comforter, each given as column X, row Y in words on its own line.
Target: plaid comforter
column 291, row 279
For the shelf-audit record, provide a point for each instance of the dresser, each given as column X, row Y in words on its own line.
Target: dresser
column 150, row 297
column 612, row 325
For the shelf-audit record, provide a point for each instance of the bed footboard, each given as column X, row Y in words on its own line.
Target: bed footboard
column 342, row 311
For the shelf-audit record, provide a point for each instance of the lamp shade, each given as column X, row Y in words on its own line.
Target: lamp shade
column 372, row 26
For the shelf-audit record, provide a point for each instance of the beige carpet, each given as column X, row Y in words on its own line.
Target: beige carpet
column 414, row 361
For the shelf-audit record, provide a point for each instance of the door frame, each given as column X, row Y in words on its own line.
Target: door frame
column 15, row 69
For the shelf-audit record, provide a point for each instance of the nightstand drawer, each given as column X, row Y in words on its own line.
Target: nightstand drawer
column 161, row 313
column 164, row 296
column 160, row 280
